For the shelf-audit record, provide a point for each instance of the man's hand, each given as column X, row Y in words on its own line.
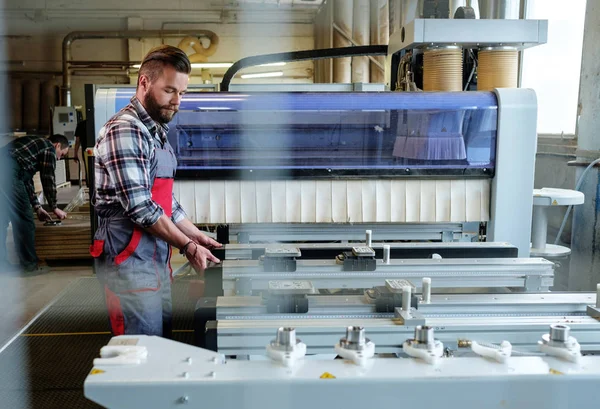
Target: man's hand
column 198, row 256
column 60, row 214
column 205, row 241
column 42, row 215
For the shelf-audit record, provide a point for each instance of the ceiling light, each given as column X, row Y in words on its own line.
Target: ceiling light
column 203, row 65
column 273, row 64
column 263, row 75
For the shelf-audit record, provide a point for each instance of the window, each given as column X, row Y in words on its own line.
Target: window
column 553, row 69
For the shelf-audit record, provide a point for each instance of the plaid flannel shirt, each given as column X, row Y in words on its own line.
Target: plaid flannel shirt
column 124, row 153
column 33, row 154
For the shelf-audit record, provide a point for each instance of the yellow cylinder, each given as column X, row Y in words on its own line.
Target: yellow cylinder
column 497, row 68
column 443, row 69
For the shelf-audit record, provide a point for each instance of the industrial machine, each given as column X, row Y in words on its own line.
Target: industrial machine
column 326, row 166
column 316, row 166
column 473, row 352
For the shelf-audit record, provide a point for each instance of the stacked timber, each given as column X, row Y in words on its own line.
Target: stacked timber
column 69, row 240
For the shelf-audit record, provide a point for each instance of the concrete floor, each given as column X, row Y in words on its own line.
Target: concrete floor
column 22, row 298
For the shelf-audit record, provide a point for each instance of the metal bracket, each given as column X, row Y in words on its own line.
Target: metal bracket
column 287, row 304
column 243, row 237
column 279, row 264
column 359, row 259
column 593, row 311
column 410, row 317
column 470, row 232
column 243, row 286
column 280, row 259
column 533, row 283
column 447, row 236
column 288, row 296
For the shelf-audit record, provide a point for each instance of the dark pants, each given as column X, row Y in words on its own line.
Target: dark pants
column 15, row 207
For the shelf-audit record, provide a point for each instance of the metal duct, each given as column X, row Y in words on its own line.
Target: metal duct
column 342, row 18
column 98, row 35
column 48, row 101
column 31, row 105
column 499, row 9
column 380, row 34
column 201, row 54
column 16, row 105
column 411, row 9
column 361, row 36
column 455, row 4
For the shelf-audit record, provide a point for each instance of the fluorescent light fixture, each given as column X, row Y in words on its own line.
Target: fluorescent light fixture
column 263, row 75
column 202, row 65
column 273, row 64
column 222, row 65
column 211, row 64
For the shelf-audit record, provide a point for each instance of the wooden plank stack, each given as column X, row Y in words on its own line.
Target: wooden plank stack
column 69, row 240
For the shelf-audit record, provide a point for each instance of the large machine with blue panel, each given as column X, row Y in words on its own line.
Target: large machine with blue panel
column 334, row 162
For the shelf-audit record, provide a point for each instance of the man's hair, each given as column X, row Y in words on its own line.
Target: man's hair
column 161, row 56
column 58, row 138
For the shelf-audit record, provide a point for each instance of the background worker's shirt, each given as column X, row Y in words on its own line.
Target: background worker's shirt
column 36, row 154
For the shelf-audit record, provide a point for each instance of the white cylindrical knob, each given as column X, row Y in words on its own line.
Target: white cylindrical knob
column 386, row 254
column 368, row 238
column 286, row 337
column 424, row 335
column 426, row 290
column 406, row 296
column 597, row 295
column 559, row 332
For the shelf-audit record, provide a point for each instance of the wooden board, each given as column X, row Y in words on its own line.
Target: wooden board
column 70, row 240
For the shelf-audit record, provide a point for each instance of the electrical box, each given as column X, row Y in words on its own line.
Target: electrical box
column 64, row 122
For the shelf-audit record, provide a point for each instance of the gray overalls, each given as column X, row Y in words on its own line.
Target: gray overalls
column 133, row 265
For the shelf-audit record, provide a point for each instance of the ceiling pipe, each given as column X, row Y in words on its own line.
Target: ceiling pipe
column 293, row 56
column 103, row 35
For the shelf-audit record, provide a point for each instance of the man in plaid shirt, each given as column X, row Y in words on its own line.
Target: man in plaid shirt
column 26, row 156
column 139, row 218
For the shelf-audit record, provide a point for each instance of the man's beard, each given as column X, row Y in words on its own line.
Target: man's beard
column 163, row 114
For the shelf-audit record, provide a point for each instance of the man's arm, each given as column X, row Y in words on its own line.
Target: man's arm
column 47, row 176
column 35, row 203
column 190, row 230
column 76, row 149
column 47, row 166
column 172, row 234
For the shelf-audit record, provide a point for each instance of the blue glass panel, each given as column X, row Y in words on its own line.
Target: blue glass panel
column 384, row 134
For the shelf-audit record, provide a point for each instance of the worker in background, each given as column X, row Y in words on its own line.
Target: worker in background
column 82, row 140
column 138, row 215
column 26, row 156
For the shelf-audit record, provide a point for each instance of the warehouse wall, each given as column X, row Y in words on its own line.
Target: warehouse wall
column 36, row 28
